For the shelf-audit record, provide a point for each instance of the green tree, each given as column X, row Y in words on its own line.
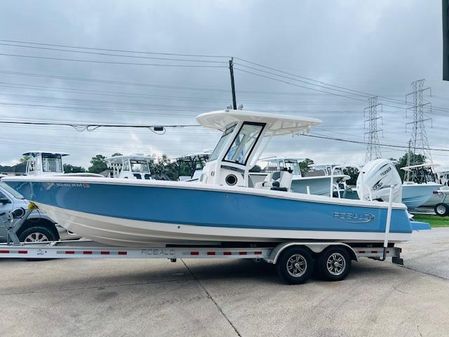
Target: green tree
column 415, row 159
column 24, row 159
column 98, row 164
column 353, row 173
column 304, row 165
column 117, row 154
column 164, row 169
column 68, row 168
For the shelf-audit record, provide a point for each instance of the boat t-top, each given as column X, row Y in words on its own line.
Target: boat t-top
column 221, row 207
column 44, row 162
column 135, row 166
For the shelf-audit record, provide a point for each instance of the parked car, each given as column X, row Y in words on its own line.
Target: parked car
column 37, row 228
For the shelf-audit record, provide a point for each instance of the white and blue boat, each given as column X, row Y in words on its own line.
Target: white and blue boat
column 419, row 185
column 220, row 207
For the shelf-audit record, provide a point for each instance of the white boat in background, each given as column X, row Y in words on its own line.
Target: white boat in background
column 419, row 185
column 319, row 180
column 44, row 162
column 49, row 163
column 135, row 166
column 220, row 207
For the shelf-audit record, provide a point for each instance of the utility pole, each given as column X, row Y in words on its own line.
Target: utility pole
column 372, row 130
column 419, row 110
column 231, row 71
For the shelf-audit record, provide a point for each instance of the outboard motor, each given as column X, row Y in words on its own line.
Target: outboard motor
column 375, row 180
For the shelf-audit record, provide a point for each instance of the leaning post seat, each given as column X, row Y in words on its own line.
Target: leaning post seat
column 278, row 181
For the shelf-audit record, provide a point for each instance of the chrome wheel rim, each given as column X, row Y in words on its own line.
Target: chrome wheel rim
column 336, row 264
column 441, row 209
column 36, row 237
column 296, row 265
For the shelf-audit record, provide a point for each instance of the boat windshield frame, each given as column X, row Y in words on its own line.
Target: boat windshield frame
column 249, row 151
column 144, row 166
column 52, row 162
column 222, row 142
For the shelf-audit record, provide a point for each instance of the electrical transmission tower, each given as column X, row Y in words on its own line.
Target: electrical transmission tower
column 371, row 129
column 419, row 108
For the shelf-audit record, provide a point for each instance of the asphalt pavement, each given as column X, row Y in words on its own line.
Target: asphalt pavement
column 227, row 298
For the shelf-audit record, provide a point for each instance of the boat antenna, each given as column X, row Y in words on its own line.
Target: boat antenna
column 231, row 72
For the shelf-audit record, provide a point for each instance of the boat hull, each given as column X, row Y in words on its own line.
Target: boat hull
column 125, row 213
column 416, row 195
column 438, row 197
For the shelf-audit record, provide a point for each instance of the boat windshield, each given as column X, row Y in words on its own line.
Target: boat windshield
column 244, row 143
column 140, row 166
column 51, row 162
column 221, row 143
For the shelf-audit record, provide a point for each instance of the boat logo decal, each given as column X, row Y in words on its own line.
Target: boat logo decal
column 83, row 185
column 354, row 217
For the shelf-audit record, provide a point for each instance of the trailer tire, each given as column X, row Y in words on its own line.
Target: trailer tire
column 334, row 264
column 36, row 234
column 441, row 209
column 295, row 265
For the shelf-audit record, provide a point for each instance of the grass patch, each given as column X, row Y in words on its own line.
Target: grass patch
column 433, row 220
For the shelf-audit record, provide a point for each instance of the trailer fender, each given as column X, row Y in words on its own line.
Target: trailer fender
column 314, row 247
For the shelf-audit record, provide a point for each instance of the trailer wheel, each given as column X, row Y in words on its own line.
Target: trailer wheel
column 334, row 264
column 295, row 265
column 36, row 234
column 441, row 209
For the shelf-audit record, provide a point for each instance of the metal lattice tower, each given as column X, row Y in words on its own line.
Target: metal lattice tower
column 372, row 131
column 419, row 108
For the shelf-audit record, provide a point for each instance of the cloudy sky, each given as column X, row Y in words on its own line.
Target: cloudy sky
column 126, row 69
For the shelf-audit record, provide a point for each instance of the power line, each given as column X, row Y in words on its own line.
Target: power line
column 109, row 81
column 113, row 55
column 113, row 62
column 299, row 79
column 304, row 79
column 117, row 50
column 94, row 126
column 366, row 143
column 294, row 84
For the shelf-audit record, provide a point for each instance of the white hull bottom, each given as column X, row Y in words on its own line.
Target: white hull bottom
column 134, row 233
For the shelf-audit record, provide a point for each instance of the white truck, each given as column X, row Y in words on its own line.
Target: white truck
column 38, row 227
